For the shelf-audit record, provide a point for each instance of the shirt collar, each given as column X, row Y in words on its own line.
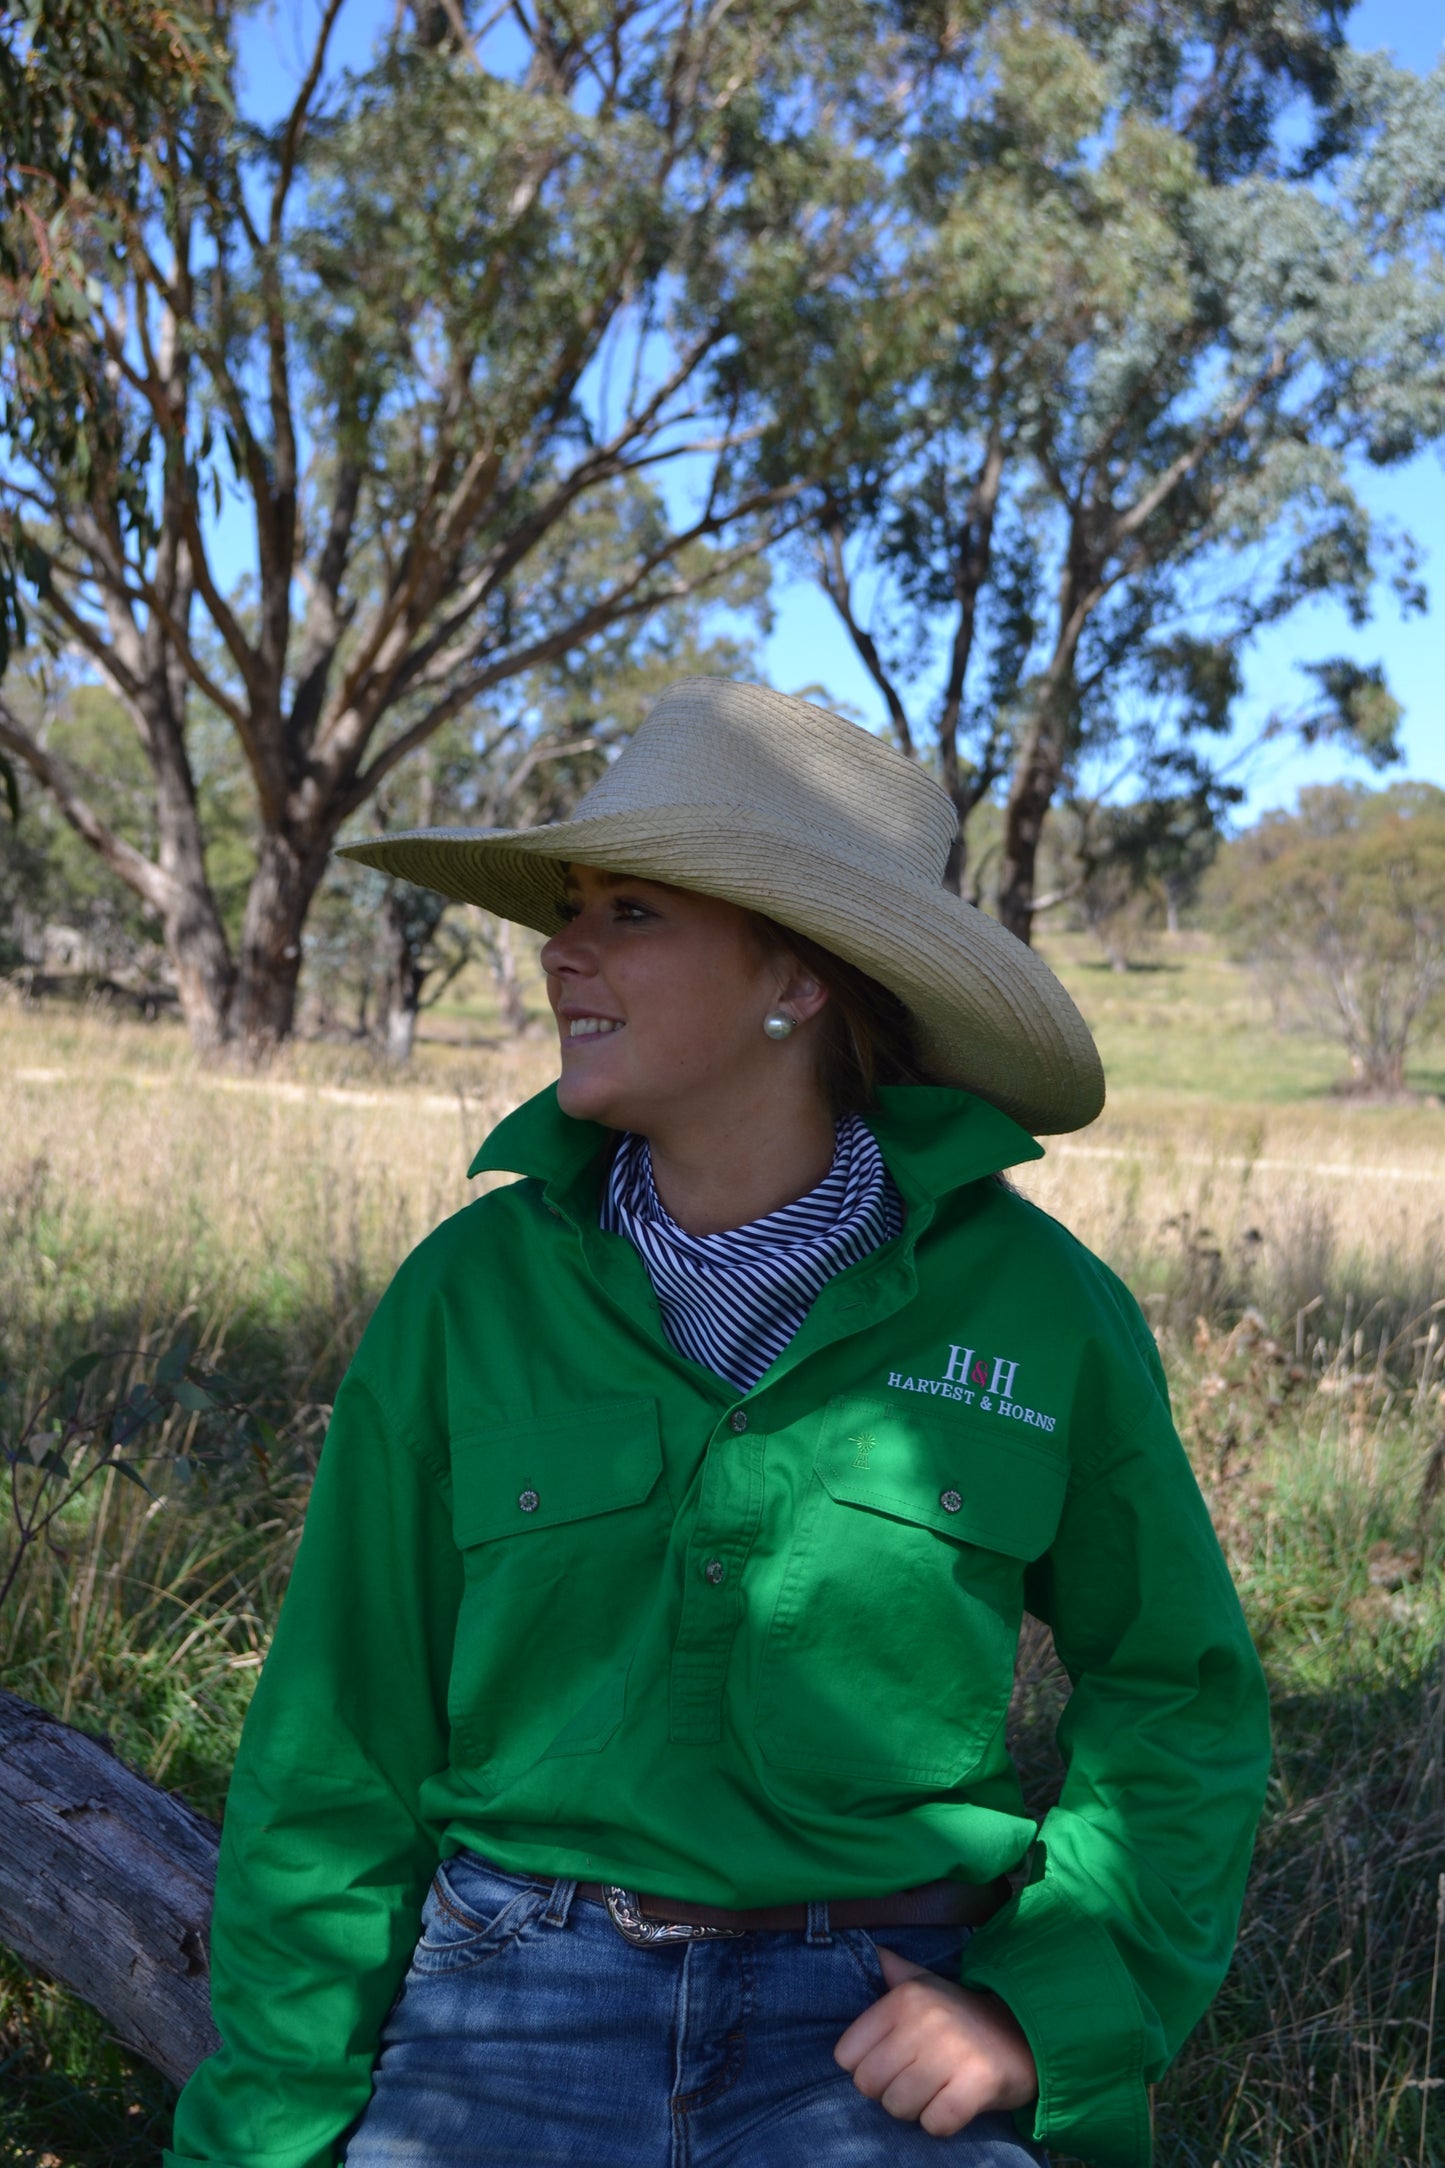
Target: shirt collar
column 933, row 1139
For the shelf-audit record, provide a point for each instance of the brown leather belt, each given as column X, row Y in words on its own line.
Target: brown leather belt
column 642, row 1918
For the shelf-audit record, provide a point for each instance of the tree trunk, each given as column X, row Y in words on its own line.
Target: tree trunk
column 191, row 923
column 972, row 561
column 1378, row 1069
column 510, row 999
column 1171, row 905
column 105, row 1885
column 1039, row 770
column 205, row 975
column 1044, row 750
column 399, row 1033
column 285, row 880
column 402, row 980
column 1030, row 796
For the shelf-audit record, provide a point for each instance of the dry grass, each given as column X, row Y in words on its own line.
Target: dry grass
column 1289, row 1248
column 137, row 1189
column 329, row 1155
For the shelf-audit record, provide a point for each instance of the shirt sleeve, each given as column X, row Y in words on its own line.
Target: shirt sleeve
column 1114, row 1948
column 325, row 1857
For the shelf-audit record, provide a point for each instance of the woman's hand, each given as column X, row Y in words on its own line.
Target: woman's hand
column 935, row 2054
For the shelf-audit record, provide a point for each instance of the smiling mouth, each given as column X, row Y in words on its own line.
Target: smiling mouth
column 592, row 1027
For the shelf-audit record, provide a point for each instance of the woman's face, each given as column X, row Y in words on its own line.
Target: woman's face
column 660, row 996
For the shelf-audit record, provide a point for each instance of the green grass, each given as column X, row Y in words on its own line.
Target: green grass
column 1187, row 1020
column 1302, row 1317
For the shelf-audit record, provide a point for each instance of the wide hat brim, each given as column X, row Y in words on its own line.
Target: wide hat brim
column 989, row 1014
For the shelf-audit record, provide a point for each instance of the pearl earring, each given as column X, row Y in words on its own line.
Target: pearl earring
column 777, row 1025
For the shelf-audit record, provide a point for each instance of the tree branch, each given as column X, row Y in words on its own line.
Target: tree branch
column 137, row 871
column 833, row 574
column 970, row 572
column 619, row 605
column 297, row 118
column 1128, row 523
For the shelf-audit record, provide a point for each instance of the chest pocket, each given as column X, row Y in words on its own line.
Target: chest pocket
column 550, row 1471
column 891, row 1647
column 562, row 1521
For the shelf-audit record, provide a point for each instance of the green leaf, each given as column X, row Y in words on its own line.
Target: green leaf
column 83, row 1365
column 195, row 1397
column 172, row 1364
column 140, row 1410
column 132, row 1475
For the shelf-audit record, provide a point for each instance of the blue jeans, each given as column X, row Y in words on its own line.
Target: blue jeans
column 528, row 2031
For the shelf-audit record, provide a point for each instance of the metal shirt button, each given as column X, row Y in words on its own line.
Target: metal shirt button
column 715, row 1570
column 529, row 1501
column 739, row 1418
column 950, row 1501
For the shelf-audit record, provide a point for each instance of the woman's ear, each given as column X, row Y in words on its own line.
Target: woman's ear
column 799, row 991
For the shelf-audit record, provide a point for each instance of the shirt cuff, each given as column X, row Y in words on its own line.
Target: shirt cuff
column 1065, row 1982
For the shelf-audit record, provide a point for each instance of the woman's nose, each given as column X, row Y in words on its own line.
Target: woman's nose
column 565, row 951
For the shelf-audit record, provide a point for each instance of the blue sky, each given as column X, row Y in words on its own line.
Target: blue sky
column 807, row 647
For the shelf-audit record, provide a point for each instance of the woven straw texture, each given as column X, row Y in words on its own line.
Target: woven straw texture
column 787, row 809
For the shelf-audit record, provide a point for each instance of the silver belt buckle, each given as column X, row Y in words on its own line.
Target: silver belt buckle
column 634, row 1926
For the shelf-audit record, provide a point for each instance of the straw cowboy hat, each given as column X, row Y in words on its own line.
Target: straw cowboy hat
column 787, row 809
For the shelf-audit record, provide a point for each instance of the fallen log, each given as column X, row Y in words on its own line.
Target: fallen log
column 105, row 1885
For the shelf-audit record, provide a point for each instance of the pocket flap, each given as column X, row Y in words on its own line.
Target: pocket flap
column 967, row 1476
column 512, row 1478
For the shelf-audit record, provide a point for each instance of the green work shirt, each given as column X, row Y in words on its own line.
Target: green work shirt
column 567, row 1599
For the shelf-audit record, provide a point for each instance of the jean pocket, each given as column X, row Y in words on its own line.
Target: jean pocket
column 938, row 1949
column 473, row 1912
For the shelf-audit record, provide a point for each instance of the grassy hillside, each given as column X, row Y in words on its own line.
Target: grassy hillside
column 1289, row 1249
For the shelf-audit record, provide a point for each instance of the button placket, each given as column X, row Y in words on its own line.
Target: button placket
column 729, row 1508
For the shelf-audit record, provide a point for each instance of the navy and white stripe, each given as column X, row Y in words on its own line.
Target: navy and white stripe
column 733, row 1301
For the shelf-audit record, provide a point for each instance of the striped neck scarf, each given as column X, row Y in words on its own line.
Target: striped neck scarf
column 733, row 1301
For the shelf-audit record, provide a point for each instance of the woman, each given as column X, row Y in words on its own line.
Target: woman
column 626, row 1783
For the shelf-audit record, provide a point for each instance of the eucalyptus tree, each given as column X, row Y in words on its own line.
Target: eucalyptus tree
column 1085, row 422
column 1341, row 905
column 354, row 379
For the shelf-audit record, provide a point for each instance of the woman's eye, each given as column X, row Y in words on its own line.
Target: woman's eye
column 624, row 908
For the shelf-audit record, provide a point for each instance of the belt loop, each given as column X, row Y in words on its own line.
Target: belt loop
column 819, row 1930
column 559, row 1904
